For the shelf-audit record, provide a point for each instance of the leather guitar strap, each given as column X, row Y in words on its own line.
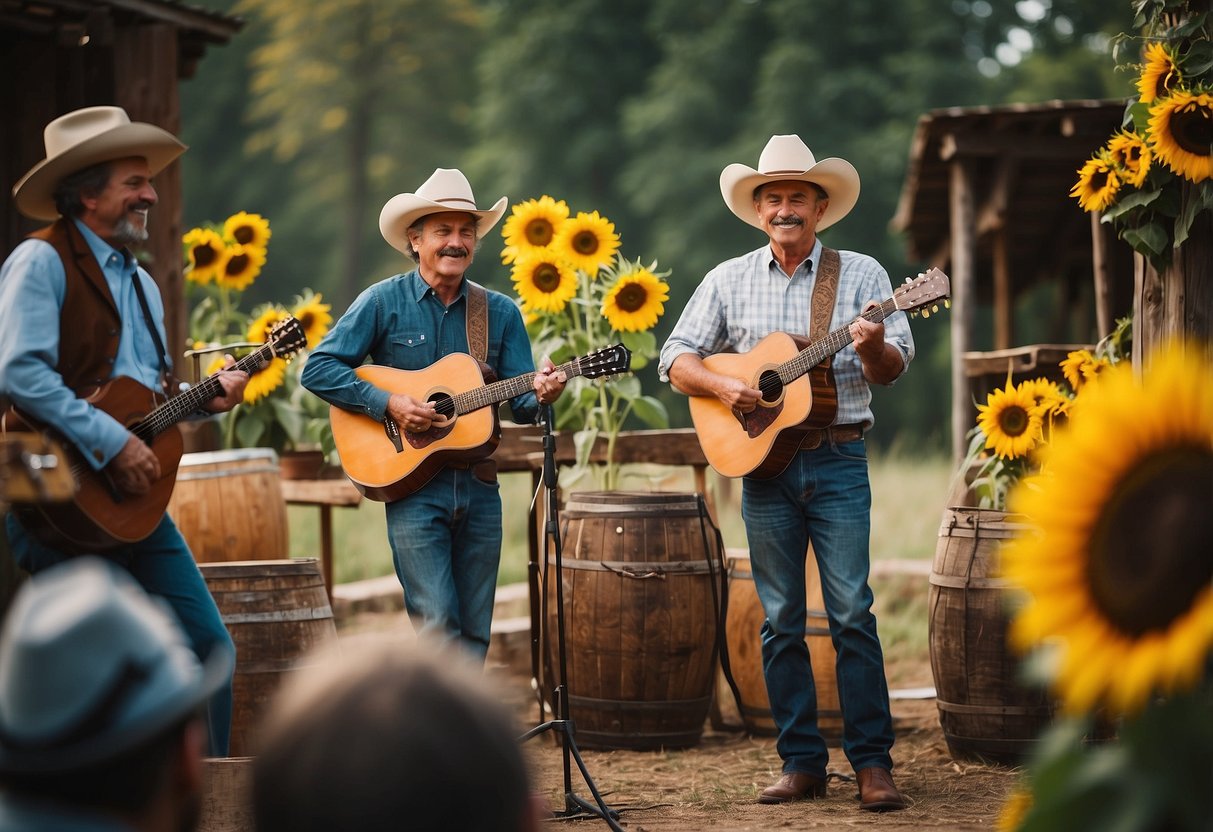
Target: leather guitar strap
column 825, row 291
column 478, row 322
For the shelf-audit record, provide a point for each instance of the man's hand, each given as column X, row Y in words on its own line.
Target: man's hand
column 233, row 383
column 414, row 415
column 135, row 467
column 549, row 384
column 882, row 362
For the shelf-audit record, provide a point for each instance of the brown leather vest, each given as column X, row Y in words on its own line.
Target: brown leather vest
column 89, row 326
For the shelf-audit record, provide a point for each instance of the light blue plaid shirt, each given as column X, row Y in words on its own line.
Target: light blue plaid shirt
column 743, row 300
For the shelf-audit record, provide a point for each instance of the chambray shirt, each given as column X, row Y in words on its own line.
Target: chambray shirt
column 400, row 322
column 743, row 300
column 33, row 285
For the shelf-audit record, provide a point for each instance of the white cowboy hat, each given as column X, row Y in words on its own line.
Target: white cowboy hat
column 788, row 158
column 90, row 667
column 447, row 189
column 88, row 137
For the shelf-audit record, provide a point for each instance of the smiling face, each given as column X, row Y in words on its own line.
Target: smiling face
column 118, row 212
column 789, row 212
column 445, row 244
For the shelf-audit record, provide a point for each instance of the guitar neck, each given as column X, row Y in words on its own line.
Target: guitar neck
column 500, row 391
column 820, row 350
column 182, row 405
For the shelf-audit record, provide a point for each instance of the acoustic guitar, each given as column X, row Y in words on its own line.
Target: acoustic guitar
column 100, row 516
column 386, row 463
column 797, row 386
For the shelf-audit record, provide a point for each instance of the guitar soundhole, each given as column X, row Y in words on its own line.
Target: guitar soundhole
column 770, row 385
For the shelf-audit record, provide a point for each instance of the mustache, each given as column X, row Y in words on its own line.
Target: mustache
column 142, row 205
column 792, row 220
column 453, row 251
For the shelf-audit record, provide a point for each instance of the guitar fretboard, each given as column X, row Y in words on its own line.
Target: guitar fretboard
column 820, row 350
column 499, row 391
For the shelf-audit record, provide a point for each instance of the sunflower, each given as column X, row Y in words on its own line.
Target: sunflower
column 636, row 301
column 588, row 242
column 204, row 252
column 532, row 225
column 263, row 323
column 1181, row 130
column 1010, row 421
column 239, row 266
column 1015, row 809
column 1118, row 577
column 266, row 381
column 314, row 316
column 1052, row 404
column 1097, row 184
column 217, row 364
column 1159, row 76
column 1130, row 156
column 247, row 230
column 544, row 282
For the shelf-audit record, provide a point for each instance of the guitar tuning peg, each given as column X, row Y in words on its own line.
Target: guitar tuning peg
column 935, row 307
column 909, row 280
column 926, row 313
column 947, row 304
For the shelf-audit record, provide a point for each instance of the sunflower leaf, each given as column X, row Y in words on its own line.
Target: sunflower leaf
column 651, row 411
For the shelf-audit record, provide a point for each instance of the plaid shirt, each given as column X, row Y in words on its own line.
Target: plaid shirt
column 743, row 300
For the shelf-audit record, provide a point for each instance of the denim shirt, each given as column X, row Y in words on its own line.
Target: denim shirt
column 400, row 322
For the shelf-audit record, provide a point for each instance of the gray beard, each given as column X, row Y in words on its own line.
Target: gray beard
column 126, row 233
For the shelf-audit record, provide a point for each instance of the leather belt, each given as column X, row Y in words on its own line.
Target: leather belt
column 835, row 433
column 484, row 470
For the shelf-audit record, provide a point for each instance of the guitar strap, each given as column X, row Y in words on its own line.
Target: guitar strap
column 477, row 321
column 151, row 325
column 825, row 291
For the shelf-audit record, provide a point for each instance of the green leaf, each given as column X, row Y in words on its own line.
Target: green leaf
column 1140, row 115
column 625, row 387
column 250, row 429
column 583, row 444
column 290, row 418
column 1148, row 239
column 1137, row 199
column 651, row 411
column 640, row 343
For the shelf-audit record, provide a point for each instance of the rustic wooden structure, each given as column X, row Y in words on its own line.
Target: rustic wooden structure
column 986, row 198
column 60, row 55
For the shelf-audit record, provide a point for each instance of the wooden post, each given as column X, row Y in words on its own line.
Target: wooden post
column 964, row 255
column 1100, row 272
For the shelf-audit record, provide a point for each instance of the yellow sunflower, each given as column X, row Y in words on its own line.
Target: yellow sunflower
column 263, row 322
column 544, row 282
column 204, row 251
column 1130, row 156
column 1081, row 366
column 247, row 230
column 1159, row 76
column 1118, row 576
column 215, row 366
column 239, row 266
column 1010, row 421
column 1097, row 184
column 266, row 381
column 314, row 316
column 1181, row 130
column 636, row 301
column 532, row 225
column 1015, row 809
column 588, row 242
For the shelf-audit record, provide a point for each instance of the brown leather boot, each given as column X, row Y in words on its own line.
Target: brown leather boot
column 877, row 792
column 793, row 785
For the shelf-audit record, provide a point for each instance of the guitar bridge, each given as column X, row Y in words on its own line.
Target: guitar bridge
column 393, row 433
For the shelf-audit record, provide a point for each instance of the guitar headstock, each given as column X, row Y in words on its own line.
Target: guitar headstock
column 607, row 361
column 287, row 337
column 925, row 290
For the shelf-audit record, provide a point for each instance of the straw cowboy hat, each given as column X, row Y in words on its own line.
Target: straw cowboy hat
column 447, row 189
column 88, row 137
column 90, row 667
column 788, row 158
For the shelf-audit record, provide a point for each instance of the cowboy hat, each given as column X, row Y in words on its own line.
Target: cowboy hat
column 447, row 189
column 788, row 158
column 90, row 667
column 88, row 137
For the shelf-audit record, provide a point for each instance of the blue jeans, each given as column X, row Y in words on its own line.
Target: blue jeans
column 446, row 543
column 823, row 495
column 162, row 565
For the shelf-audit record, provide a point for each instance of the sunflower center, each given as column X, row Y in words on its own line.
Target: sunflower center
column 585, row 242
column 1149, row 545
column 237, row 264
column 243, row 235
column 1013, row 421
column 546, row 277
column 539, row 232
column 631, row 298
column 204, row 256
column 1192, row 129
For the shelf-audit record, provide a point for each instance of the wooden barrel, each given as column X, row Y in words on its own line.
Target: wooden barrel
column 276, row 611
column 743, row 626
column 229, row 505
column 986, row 712
column 640, row 618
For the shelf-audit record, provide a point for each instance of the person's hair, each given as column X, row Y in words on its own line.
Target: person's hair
column 72, row 188
column 417, row 226
column 126, row 783
column 394, row 737
column 820, row 191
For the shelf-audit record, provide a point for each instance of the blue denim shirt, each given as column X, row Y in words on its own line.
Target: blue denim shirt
column 400, row 322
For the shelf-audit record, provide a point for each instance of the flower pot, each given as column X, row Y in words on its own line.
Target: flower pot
column 303, row 465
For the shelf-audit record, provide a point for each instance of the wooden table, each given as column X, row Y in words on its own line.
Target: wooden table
column 325, row 494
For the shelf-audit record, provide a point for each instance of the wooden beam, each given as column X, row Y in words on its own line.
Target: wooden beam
column 1015, row 145
column 1104, row 316
column 1003, row 302
column 964, row 285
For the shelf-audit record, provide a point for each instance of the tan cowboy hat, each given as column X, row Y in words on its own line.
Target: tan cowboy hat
column 88, row 137
column 447, row 189
column 788, row 158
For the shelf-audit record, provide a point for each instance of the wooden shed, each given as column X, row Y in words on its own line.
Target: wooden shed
column 60, row 55
column 986, row 198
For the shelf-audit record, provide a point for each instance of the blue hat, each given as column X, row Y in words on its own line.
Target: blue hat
column 90, row 667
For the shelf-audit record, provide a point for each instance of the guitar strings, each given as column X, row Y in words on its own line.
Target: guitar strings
column 770, row 384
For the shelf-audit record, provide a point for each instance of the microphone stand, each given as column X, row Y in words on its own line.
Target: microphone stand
column 574, row 806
